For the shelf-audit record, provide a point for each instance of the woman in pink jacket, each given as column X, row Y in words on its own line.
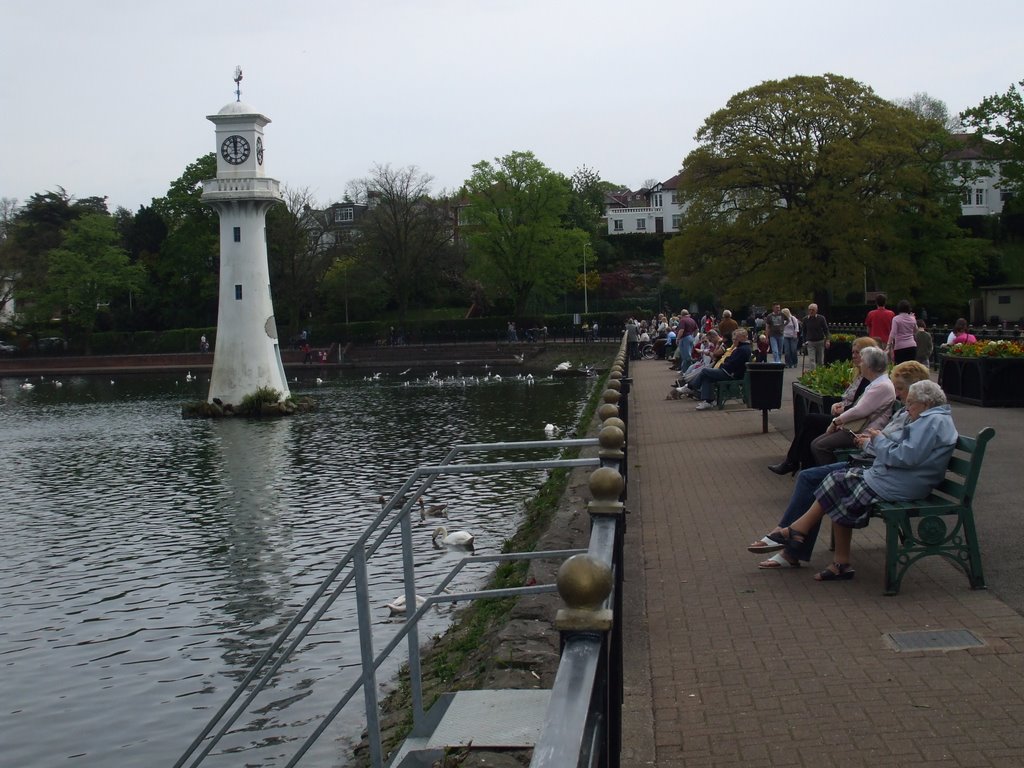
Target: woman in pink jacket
column 902, row 345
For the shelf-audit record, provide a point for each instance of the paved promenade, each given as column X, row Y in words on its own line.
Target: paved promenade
column 728, row 665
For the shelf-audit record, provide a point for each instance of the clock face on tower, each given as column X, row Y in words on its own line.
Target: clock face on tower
column 259, row 150
column 235, row 150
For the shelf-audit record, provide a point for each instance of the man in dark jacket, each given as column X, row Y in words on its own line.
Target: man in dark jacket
column 816, row 335
column 732, row 366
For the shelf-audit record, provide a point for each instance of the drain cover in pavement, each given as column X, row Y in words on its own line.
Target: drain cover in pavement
column 934, row 640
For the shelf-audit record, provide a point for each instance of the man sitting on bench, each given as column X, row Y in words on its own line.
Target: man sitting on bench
column 732, row 366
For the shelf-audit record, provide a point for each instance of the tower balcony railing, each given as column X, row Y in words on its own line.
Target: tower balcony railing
column 256, row 185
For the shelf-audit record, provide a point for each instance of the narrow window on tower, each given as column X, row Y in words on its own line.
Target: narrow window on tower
column 238, row 293
column 238, row 234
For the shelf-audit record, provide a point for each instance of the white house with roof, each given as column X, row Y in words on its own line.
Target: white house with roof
column 646, row 211
column 981, row 194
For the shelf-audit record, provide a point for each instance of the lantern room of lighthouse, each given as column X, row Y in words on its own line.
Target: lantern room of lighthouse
column 247, row 355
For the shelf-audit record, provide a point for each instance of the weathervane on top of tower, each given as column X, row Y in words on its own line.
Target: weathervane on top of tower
column 238, row 83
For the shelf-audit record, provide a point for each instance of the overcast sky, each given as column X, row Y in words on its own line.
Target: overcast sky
column 110, row 98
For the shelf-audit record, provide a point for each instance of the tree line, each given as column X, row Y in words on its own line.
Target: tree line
column 510, row 237
column 805, row 187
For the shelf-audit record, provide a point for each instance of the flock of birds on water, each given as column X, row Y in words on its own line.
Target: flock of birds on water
column 434, row 378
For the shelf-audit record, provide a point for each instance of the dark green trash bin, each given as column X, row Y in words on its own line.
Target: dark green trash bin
column 766, row 385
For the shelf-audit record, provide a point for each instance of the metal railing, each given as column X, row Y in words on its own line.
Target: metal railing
column 587, row 696
column 583, row 724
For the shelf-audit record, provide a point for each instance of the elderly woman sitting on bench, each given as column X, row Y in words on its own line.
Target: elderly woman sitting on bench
column 908, row 464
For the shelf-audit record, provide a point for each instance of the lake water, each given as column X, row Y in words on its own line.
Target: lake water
column 149, row 560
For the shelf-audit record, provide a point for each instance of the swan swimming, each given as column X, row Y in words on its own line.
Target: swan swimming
column 397, row 606
column 462, row 539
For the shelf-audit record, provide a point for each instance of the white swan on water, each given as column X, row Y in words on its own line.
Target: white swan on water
column 397, row 606
column 462, row 539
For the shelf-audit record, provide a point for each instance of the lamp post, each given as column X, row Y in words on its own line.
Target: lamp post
column 586, row 306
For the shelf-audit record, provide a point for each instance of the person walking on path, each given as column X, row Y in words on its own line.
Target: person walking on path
column 879, row 321
column 816, row 335
column 790, row 337
column 775, row 324
column 925, row 343
column 684, row 338
column 902, row 346
column 633, row 339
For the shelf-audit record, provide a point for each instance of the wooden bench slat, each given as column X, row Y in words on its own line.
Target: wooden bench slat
column 959, row 466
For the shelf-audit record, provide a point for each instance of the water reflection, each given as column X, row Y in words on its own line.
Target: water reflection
column 149, row 560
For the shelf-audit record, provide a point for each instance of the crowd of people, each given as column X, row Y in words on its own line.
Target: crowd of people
column 708, row 349
column 891, row 413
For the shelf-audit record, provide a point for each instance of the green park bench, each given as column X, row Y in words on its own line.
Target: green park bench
column 957, row 540
column 919, row 529
column 732, row 389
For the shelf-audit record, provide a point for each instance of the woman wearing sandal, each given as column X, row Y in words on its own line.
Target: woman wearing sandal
column 906, row 467
column 902, row 376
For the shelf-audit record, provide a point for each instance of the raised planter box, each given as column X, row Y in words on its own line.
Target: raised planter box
column 991, row 382
column 808, row 401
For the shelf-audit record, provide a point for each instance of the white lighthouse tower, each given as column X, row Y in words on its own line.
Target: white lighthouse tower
column 247, row 354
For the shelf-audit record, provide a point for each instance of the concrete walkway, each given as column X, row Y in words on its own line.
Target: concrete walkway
column 728, row 665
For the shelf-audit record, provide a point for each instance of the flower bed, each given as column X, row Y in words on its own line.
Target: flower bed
column 987, row 349
column 830, row 380
column 817, row 390
column 985, row 373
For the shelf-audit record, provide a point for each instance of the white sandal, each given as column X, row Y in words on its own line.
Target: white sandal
column 777, row 561
column 765, row 545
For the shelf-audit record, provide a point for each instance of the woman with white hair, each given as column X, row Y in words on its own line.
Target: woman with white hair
column 907, row 466
column 872, row 410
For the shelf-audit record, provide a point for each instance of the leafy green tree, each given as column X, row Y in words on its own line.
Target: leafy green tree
column 34, row 230
column 931, row 108
column 406, row 234
column 519, row 244
column 587, row 202
column 808, row 186
column 86, row 272
column 183, row 286
column 299, row 252
column 1000, row 118
column 142, row 235
column 352, row 289
column 8, row 254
